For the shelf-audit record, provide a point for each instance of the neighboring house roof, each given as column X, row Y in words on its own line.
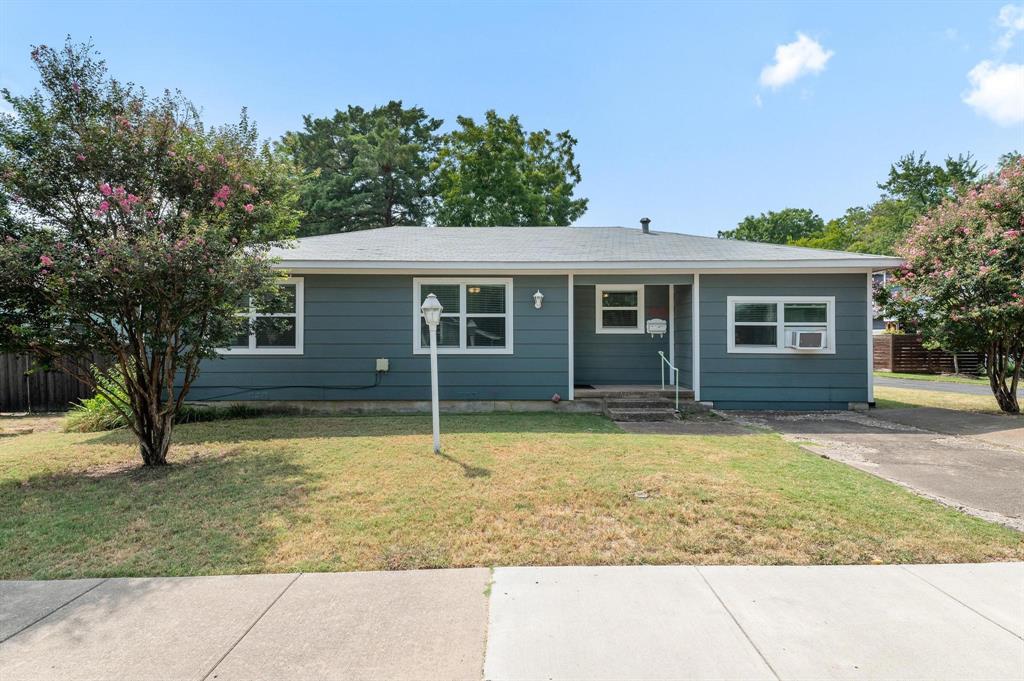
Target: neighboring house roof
column 576, row 249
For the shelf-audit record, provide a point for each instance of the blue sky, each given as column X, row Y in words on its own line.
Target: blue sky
column 689, row 113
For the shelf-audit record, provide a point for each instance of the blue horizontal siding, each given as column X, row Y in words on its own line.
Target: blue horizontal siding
column 351, row 320
column 684, row 334
column 770, row 381
column 617, row 358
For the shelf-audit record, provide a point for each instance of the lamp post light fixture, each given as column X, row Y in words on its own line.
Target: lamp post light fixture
column 431, row 309
column 538, row 299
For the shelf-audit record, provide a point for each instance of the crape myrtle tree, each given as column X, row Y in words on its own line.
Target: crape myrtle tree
column 962, row 284
column 131, row 231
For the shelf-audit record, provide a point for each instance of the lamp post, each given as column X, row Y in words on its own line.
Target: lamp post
column 431, row 309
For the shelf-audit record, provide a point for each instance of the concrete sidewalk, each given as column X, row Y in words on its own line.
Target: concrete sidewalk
column 853, row 622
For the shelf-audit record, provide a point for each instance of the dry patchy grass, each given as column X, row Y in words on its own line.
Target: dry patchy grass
column 899, row 398
column 356, row 493
column 935, row 378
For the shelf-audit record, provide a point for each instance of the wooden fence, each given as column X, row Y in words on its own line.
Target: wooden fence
column 905, row 354
column 37, row 391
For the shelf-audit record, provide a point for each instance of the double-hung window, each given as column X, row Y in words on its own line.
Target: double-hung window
column 620, row 308
column 276, row 331
column 781, row 324
column 476, row 315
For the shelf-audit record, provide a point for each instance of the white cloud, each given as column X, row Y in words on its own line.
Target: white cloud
column 757, row 101
column 997, row 91
column 1011, row 18
column 793, row 60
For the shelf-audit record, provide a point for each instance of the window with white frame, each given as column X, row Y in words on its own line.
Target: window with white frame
column 476, row 315
column 280, row 332
column 781, row 324
column 620, row 308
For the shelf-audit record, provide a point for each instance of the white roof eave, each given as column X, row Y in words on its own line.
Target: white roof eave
column 849, row 264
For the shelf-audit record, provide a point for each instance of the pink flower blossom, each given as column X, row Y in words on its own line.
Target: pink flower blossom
column 105, row 189
column 75, row 87
column 1012, row 233
column 249, row 207
column 171, row 153
column 46, row 260
column 80, row 157
column 202, row 168
column 102, row 208
column 984, row 269
column 994, row 251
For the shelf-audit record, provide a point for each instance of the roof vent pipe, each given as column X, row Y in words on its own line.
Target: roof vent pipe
column 645, row 224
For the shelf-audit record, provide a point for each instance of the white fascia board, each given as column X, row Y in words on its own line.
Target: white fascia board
column 635, row 267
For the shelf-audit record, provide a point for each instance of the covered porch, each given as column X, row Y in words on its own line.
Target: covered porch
column 613, row 353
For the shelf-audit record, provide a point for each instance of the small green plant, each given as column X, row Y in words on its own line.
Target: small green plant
column 98, row 413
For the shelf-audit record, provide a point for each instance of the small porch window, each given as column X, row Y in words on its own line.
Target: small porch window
column 620, row 308
column 476, row 316
column 283, row 336
column 781, row 324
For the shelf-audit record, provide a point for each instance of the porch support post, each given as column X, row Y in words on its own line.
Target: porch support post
column 672, row 330
column 871, row 339
column 695, row 350
column 571, row 392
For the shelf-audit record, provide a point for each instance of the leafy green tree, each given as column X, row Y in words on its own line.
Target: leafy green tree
column 364, row 168
column 781, row 227
column 914, row 186
column 963, row 282
column 925, row 184
column 495, row 173
column 131, row 231
column 839, row 234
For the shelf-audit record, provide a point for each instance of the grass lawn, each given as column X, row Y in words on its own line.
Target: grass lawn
column 365, row 493
column 898, row 398
column 936, row 378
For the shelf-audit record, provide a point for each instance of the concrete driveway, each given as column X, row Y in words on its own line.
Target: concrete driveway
column 588, row 623
column 974, row 462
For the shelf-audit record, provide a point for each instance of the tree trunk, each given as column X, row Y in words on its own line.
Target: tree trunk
column 997, row 368
column 155, row 441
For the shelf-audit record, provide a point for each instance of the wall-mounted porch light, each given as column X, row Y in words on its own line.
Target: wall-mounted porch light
column 538, row 299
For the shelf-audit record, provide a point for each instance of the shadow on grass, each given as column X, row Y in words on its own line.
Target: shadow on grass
column 377, row 425
column 208, row 515
column 468, row 470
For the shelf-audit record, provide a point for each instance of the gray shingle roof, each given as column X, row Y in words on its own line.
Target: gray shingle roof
column 551, row 248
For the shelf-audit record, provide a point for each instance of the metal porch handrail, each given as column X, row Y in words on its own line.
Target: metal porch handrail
column 664, row 361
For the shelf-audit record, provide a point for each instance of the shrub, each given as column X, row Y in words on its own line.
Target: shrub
column 97, row 413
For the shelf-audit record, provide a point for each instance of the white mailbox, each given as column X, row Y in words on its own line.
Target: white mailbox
column 657, row 326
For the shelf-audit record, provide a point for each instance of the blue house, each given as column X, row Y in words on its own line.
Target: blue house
column 534, row 312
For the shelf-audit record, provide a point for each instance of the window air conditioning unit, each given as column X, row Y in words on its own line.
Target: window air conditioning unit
column 806, row 339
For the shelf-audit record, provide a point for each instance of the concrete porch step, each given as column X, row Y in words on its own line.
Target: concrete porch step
column 639, row 403
column 659, row 414
column 631, row 392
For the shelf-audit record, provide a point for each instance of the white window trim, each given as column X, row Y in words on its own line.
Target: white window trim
column 462, row 282
column 252, row 314
column 599, row 308
column 780, row 335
